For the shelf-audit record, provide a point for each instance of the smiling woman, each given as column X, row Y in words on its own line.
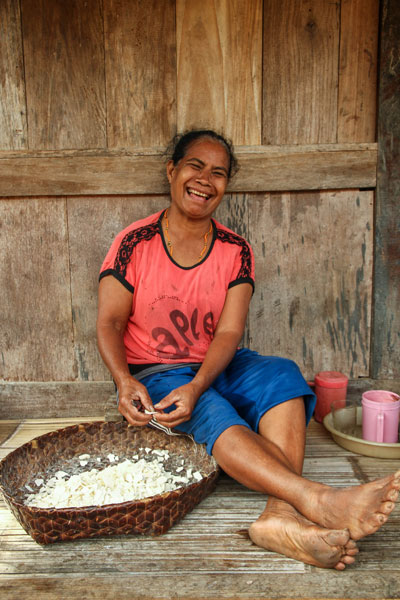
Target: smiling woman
column 174, row 294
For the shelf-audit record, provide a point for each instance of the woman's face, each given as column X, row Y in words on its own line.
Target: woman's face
column 198, row 182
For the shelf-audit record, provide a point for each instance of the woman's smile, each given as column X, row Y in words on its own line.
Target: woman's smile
column 193, row 193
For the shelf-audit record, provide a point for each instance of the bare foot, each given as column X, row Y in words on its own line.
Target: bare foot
column 282, row 529
column 361, row 509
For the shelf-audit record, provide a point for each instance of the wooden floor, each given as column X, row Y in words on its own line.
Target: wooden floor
column 203, row 556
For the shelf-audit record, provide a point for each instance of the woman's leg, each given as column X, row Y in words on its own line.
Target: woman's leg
column 262, row 464
column 281, row 527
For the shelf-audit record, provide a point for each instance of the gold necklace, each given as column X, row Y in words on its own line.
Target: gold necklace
column 169, row 243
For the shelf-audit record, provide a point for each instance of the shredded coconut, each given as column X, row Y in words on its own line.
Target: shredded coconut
column 126, row 481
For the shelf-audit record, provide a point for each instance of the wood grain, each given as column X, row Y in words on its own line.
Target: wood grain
column 140, row 51
column 296, row 76
column 35, row 319
column 386, row 333
column 219, row 49
column 320, row 167
column 262, row 168
column 358, row 70
column 35, row 399
column 300, row 75
column 7, row 429
column 64, row 72
column 12, row 90
column 312, row 302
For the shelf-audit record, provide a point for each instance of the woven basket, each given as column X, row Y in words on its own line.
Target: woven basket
column 44, row 455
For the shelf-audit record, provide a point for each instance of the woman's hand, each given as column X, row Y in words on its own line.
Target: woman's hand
column 133, row 400
column 184, row 398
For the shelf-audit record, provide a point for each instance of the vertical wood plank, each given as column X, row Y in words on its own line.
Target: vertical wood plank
column 300, row 71
column 93, row 224
column 12, row 90
column 234, row 213
column 312, row 301
column 35, row 318
column 386, row 332
column 219, row 46
column 64, row 67
column 358, row 70
column 140, row 72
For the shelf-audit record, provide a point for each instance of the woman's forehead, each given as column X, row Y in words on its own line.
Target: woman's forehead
column 210, row 148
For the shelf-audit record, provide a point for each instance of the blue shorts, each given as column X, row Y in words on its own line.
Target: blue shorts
column 241, row 395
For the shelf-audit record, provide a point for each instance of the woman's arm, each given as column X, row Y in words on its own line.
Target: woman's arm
column 227, row 336
column 115, row 305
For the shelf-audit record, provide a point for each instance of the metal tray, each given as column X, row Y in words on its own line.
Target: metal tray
column 357, row 444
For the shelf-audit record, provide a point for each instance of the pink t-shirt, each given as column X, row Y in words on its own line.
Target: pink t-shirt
column 175, row 309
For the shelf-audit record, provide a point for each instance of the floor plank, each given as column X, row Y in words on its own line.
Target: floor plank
column 7, row 428
column 204, row 556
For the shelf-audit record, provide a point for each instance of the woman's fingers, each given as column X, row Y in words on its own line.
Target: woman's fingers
column 132, row 414
column 166, row 402
column 172, row 418
column 133, row 401
column 180, row 414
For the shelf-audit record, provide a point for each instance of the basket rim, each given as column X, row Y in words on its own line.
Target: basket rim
column 36, row 510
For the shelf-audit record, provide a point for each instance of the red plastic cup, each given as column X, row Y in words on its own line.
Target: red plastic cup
column 329, row 386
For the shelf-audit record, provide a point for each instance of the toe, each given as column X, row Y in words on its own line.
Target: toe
column 348, row 560
column 386, row 508
column 340, row 566
column 382, row 518
column 338, row 537
column 393, row 495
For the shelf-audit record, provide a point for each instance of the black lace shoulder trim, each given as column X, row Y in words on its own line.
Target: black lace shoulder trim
column 132, row 239
column 245, row 254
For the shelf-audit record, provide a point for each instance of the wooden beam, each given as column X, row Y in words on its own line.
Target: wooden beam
column 263, row 169
column 386, row 315
column 70, row 399
column 317, row 167
column 21, row 400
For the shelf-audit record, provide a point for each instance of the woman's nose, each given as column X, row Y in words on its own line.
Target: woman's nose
column 204, row 177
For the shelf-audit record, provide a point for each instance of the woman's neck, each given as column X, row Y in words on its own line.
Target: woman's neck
column 185, row 226
column 187, row 240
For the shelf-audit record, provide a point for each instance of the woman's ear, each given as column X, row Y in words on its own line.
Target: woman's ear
column 170, row 170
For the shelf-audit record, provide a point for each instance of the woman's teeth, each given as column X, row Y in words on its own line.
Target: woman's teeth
column 197, row 193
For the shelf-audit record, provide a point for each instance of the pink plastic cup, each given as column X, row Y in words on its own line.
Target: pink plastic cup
column 380, row 416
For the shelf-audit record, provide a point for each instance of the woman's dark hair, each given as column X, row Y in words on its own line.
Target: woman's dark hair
column 180, row 143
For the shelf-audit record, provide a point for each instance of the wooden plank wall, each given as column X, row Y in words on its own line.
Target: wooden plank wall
column 92, row 92
column 387, row 248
